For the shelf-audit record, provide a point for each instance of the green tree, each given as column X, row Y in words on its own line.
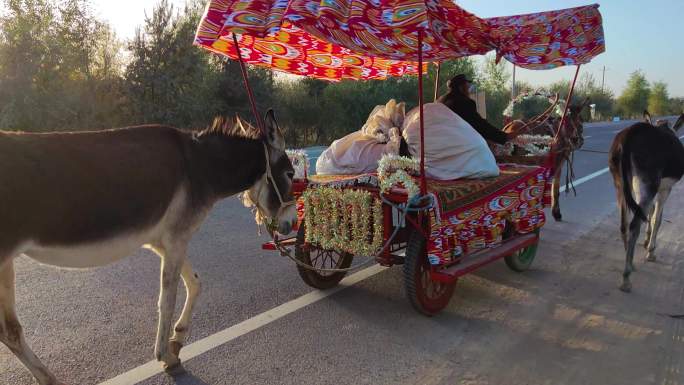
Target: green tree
column 52, row 68
column 634, row 99
column 494, row 82
column 168, row 80
column 602, row 99
column 659, row 100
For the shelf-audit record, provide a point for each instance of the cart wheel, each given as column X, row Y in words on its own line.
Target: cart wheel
column 324, row 259
column 426, row 296
column 522, row 259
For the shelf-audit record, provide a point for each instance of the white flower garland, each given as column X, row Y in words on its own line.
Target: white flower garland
column 300, row 163
column 397, row 170
column 534, row 145
column 346, row 220
column 510, row 109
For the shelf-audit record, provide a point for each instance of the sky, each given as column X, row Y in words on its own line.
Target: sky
column 639, row 35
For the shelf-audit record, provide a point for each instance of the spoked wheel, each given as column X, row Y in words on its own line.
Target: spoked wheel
column 522, row 259
column 323, row 259
column 426, row 296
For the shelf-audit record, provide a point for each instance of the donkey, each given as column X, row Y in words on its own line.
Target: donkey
column 111, row 192
column 645, row 160
column 571, row 139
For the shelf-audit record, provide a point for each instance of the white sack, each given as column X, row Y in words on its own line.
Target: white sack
column 453, row 149
column 360, row 151
column 356, row 154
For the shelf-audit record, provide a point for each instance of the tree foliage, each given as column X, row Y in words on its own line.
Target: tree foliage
column 61, row 68
column 634, row 99
column 659, row 100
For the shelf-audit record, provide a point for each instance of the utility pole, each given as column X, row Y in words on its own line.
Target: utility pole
column 603, row 79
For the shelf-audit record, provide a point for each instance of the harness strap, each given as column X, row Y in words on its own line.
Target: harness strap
column 271, row 180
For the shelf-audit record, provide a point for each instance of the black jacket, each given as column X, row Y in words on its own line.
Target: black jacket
column 467, row 109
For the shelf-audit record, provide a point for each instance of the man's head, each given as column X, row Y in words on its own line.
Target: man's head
column 460, row 83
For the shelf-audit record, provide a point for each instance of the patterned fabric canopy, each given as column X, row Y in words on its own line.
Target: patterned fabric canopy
column 373, row 39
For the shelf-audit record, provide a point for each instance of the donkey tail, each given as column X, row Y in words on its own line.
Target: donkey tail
column 626, row 171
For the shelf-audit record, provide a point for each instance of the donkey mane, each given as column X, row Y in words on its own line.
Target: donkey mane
column 231, row 127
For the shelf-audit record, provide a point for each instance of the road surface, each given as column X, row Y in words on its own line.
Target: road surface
column 562, row 322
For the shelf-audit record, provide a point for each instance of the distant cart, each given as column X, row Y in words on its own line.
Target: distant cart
column 450, row 228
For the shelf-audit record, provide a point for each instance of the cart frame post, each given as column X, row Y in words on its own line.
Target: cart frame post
column 248, row 87
column 567, row 102
column 423, row 181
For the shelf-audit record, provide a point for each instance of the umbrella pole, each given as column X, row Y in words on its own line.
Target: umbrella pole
column 250, row 94
column 439, row 67
column 423, row 182
column 567, row 102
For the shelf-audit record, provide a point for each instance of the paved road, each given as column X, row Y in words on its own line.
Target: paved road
column 563, row 322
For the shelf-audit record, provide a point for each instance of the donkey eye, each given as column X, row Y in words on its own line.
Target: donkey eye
column 290, row 174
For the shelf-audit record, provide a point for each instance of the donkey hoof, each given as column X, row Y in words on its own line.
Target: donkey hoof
column 173, row 366
column 175, row 347
column 175, row 370
column 557, row 216
column 626, row 287
column 651, row 257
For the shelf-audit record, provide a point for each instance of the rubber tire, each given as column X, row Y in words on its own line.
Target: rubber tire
column 313, row 278
column 415, row 262
column 521, row 260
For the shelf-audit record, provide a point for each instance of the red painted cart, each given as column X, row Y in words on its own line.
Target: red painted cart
column 456, row 226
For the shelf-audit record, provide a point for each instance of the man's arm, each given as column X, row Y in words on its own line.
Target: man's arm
column 469, row 114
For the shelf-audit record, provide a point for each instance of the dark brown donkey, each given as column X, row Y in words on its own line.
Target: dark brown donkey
column 645, row 160
column 86, row 199
column 570, row 140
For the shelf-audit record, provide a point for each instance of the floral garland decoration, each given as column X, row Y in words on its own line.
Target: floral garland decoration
column 300, row 163
column 397, row 170
column 510, row 109
column 346, row 220
column 533, row 145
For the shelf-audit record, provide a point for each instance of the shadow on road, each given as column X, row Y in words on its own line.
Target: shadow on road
column 183, row 377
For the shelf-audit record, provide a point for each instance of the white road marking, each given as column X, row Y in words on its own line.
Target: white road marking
column 587, row 136
column 587, row 178
column 206, row 344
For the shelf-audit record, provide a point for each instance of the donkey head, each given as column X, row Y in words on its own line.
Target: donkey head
column 575, row 124
column 272, row 193
column 664, row 123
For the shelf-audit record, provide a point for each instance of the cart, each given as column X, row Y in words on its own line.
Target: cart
column 451, row 228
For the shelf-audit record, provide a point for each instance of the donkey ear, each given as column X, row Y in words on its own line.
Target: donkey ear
column 679, row 123
column 647, row 117
column 274, row 137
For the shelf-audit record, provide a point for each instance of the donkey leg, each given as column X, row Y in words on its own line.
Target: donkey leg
column 624, row 222
column 649, row 227
column 556, row 193
column 634, row 229
column 172, row 261
column 11, row 333
column 656, row 220
column 182, row 327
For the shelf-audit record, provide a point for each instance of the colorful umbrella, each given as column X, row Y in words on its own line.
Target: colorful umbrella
column 374, row 39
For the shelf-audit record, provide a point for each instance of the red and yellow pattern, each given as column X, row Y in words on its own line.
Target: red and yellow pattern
column 472, row 214
column 374, row 39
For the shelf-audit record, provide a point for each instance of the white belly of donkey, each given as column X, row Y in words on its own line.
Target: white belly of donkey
column 90, row 254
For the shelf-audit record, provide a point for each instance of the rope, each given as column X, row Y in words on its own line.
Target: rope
column 404, row 209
